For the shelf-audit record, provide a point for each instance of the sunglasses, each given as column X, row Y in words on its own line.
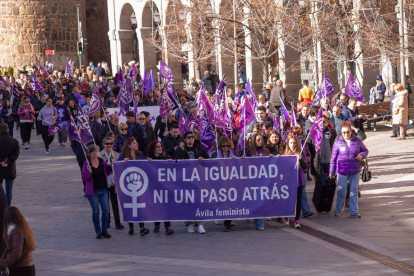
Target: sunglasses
column 141, row 119
column 109, row 144
column 106, row 112
column 123, row 129
column 225, row 146
column 26, row 101
column 324, row 122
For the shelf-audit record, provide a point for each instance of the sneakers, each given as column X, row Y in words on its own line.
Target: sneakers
column 106, row 235
column 260, row 228
column 356, row 215
column 169, row 231
column 143, row 231
column 297, row 224
column 201, row 229
column 47, row 152
column 309, row 214
column 217, row 222
column 119, row 227
column 190, row 229
column 286, row 221
column 233, row 223
column 156, row 229
column 337, row 214
column 63, row 144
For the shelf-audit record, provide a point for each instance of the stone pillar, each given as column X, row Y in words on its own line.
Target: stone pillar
column 147, row 54
column 28, row 25
column 289, row 74
column 114, row 45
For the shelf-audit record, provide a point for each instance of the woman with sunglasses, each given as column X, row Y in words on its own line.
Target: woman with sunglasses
column 347, row 153
column 257, row 149
column 26, row 113
column 120, row 138
column 130, row 151
column 155, row 151
column 225, row 150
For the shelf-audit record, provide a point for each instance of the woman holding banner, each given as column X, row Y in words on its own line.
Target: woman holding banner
column 293, row 148
column 155, row 151
column 95, row 173
column 130, row 152
column 258, row 149
column 225, row 150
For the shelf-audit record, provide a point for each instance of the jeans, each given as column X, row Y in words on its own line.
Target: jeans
column 25, row 131
column 353, row 195
column 11, row 124
column 258, row 223
column 9, row 190
column 46, row 138
column 63, row 136
column 99, row 198
column 305, row 205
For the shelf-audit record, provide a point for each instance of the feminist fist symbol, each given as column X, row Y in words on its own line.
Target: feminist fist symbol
column 134, row 182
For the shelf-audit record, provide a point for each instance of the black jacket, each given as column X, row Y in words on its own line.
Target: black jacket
column 207, row 80
column 169, row 143
column 3, row 206
column 108, row 127
column 143, row 137
column 9, row 152
column 198, row 152
column 78, row 151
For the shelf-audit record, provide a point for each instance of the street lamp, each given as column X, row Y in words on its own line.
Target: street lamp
column 133, row 20
column 157, row 17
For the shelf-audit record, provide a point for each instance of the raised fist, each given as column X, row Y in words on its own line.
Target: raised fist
column 134, row 182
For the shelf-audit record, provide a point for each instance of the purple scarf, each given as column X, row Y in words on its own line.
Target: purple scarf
column 220, row 155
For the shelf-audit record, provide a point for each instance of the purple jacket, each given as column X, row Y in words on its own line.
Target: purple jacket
column 343, row 159
column 87, row 176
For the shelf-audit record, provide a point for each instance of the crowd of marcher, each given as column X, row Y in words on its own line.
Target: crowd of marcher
column 61, row 99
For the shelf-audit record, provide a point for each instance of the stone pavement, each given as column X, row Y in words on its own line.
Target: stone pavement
column 48, row 190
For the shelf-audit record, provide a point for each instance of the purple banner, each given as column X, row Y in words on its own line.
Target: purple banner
column 352, row 89
column 207, row 190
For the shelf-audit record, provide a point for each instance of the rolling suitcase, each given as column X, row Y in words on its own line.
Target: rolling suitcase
column 324, row 193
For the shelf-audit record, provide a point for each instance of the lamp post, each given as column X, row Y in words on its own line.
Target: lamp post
column 400, row 9
column 135, row 41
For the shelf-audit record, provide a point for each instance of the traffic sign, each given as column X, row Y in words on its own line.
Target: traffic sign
column 49, row 52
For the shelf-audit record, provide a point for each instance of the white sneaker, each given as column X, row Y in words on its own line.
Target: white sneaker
column 201, row 229
column 286, row 221
column 217, row 222
column 63, row 144
column 190, row 229
column 46, row 152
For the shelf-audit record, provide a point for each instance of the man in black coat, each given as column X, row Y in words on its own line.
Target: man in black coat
column 9, row 152
column 143, row 133
column 3, row 206
column 189, row 149
column 111, row 126
column 170, row 143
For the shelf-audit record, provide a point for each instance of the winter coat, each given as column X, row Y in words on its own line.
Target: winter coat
column 400, row 105
column 78, row 151
column 120, row 140
column 207, row 80
column 278, row 94
column 267, row 119
column 169, row 143
column 110, row 104
column 317, row 159
column 352, row 115
column 3, row 206
column 22, row 112
column 343, row 158
column 87, row 176
column 198, row 152
column 10, row 150
column 143, row 137
column 17, row 255
column 3, row 114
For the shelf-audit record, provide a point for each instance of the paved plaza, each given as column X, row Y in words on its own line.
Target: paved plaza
column 49, row 192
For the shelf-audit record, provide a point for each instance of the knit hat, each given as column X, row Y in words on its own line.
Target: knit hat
column 379, row 78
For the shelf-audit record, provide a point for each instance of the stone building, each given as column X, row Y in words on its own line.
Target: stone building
column 28, row 25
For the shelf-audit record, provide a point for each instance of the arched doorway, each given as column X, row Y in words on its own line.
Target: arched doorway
column 127, row 35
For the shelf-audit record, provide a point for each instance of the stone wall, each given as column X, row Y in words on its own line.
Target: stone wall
column 26, row 25
column 97, row 26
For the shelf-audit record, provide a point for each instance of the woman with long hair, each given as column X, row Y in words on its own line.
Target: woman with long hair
column 95, row 172
column 7, row 113
column 400, row 109
column 74, row 110
column 130, row 151
column 155, row 151
column 26, row 113
column 275, row 144
column 20, row 244
column 149, row 99
column 293, row 148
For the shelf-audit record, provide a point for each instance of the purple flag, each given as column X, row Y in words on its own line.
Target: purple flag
column 120, row 77
column 37, row 85
column 293, row 116
column 316, row 131
column 205, row 108
column 165, row 71
column 352, row 89
column 276, row 123
column 145, row 80
column 84, row 127
column 327, row 88
column 150, row 84
column 3, row 83
column 79, row 98
column 284, row 110
column 122, row 101
column 182, row 124
column 246, row 114
column 251, row 93
column 207, row 134
column 69, row 68
column 54, row 129
column 168, row 102
column 96, row 103
column 73, row 131
column 14, row 92
column 42, row 68
column 222, row 113
column 317, row 98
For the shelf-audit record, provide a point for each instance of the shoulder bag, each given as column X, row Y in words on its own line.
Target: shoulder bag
column 366, row 173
